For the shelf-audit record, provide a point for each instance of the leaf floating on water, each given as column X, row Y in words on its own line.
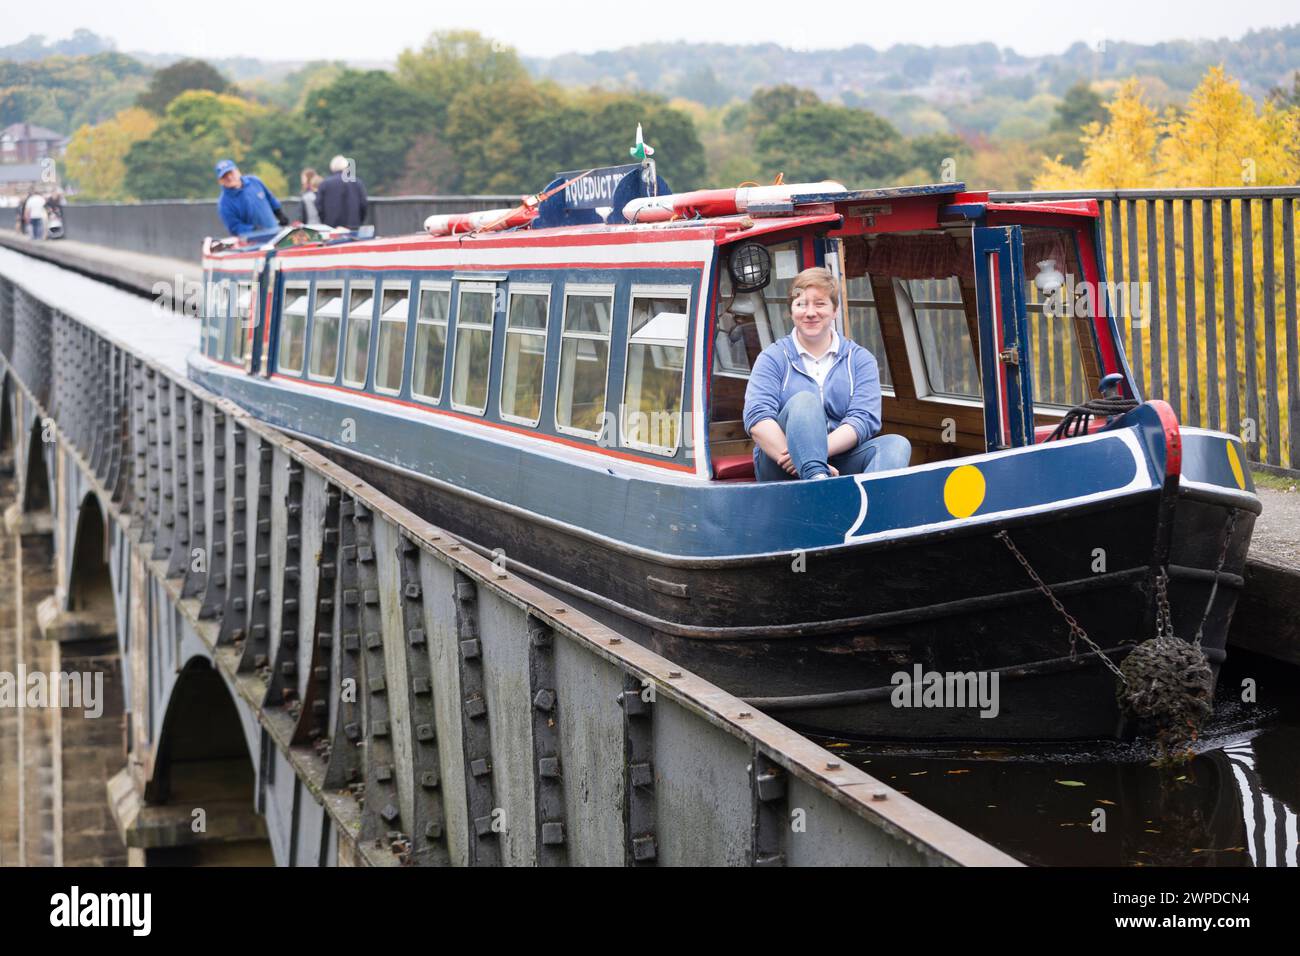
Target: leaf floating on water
column 956, row 771
column 839, row 746
column 991, row 806
column 1109, row 803
column 1071, row 783
column 918, row 773
column 1183, row 777
column 1150, row 831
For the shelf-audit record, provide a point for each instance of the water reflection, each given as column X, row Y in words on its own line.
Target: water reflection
column 1234, row 804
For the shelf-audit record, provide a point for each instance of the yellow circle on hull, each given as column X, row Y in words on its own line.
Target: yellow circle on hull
column 1234, row 463
column 963, row 492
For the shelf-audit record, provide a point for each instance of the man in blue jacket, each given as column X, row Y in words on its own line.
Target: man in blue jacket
column 813, row 401
column 246, row 204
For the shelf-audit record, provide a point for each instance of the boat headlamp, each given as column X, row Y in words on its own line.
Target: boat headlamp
column 750, row 266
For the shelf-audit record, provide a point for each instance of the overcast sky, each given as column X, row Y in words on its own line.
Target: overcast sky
column 380, row 29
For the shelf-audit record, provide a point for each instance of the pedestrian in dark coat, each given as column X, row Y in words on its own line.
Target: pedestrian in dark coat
column 341, row 197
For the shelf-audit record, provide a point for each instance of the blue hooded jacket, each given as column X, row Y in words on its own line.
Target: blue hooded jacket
column 850, row 391
column 249, row 208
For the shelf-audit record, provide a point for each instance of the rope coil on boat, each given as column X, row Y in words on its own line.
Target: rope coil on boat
column 1077, row 419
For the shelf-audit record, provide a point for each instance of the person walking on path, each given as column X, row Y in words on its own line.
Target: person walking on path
column 35, row 212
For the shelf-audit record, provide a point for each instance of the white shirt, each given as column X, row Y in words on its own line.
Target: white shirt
column 36, row 206
column 818, row 368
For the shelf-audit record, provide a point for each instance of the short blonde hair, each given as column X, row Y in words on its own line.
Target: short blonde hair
column 816, row 278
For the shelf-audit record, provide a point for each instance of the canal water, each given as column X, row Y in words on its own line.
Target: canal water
column 1234, row 804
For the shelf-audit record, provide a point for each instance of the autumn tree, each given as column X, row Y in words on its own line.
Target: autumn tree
column 96, row 158
column 199, row 128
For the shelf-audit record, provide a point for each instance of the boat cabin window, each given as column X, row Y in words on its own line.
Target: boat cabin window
column 218, row 309
column 327, row 315
column 522, row 373
column 472, row 352
column 356, row 353
column 862, row 324
column 242, row 310
column 393, row 309
column 943, row 331
column 430, row 341
column 293, row 328
column 656, row 358
column 584, row 359
column 1061, row 336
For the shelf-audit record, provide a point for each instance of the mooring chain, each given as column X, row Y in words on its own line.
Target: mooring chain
column 1218, row 569
column 1076, row 629
column 1164, row 620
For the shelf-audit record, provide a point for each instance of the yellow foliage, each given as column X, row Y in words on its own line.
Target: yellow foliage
column 96, row 158
column 271, row 176
column 1221, row 139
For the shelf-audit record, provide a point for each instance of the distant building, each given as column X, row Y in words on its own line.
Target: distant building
column 18, row 179
column 26, row 143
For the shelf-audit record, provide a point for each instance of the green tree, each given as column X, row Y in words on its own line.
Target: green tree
column 854, row 147
column 770, row 104
column 370, row 118
column 286, row 140
column 1082, row 105
column 453, row 61
column 170, row 82
column 199, row 128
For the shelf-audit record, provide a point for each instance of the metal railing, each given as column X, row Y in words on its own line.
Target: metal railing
column 1220, row 342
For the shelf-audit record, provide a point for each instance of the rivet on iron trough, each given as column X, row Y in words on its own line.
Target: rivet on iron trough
column 674, row 674
column 743, row 714
column 832, row 765
column 559, row 610
column 879, row 795
column 615, row 640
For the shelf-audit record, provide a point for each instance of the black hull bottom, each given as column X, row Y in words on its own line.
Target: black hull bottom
column 821, row 645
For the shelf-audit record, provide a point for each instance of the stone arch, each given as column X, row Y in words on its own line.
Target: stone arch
column 203, row 763
column 36, row 484
column 90, row 585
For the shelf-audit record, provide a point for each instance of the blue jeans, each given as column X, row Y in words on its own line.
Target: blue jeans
column 803, row 419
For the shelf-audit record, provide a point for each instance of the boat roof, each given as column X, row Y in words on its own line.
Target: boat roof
column 864, row 211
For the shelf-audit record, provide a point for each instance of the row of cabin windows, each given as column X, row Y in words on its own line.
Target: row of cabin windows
column 654, row 370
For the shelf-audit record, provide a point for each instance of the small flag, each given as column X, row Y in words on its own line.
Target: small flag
column 641, row 150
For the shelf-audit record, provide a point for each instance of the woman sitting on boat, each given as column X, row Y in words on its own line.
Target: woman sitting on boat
column 813, row 401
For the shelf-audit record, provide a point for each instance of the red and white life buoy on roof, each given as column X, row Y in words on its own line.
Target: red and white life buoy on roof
column 719, row 202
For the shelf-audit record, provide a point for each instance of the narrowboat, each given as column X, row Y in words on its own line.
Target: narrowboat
column 563, row 384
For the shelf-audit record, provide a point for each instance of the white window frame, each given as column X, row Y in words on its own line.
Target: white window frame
column 345, row 332
column 332, row 285
column 525, row 288
column 404, row 286
column 474, row 288
column 651, row 291
column 591, row 291
column 421, row 286
column 294, row 286
column 243, row 313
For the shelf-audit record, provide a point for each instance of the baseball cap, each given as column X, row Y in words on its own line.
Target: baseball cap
column 225, row 166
